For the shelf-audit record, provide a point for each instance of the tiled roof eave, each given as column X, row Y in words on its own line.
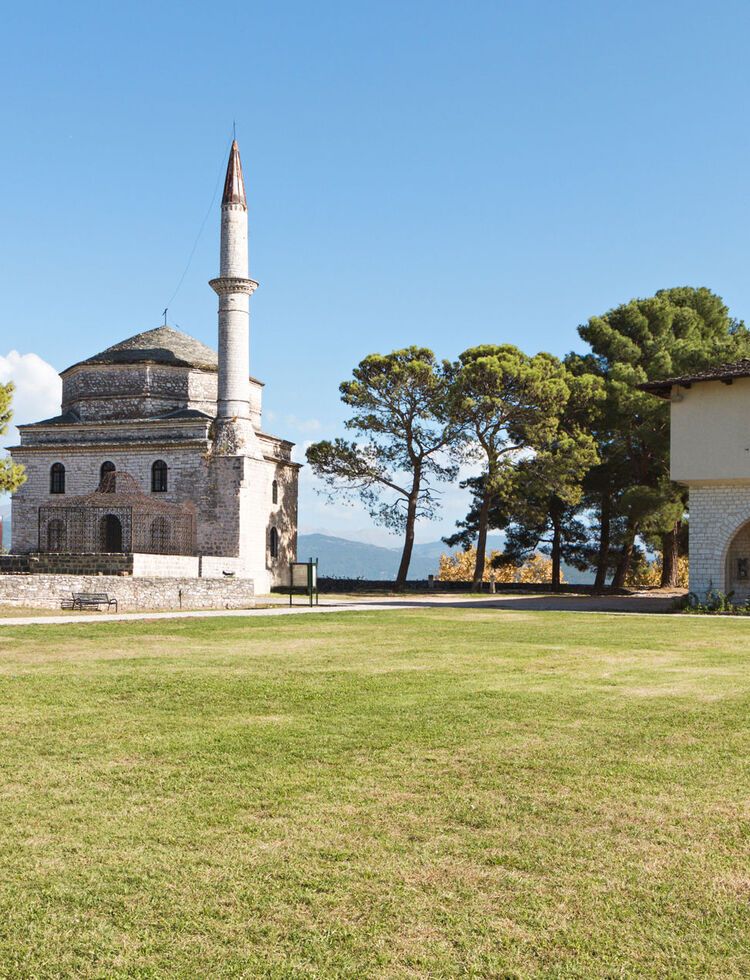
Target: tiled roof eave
column 723, row 372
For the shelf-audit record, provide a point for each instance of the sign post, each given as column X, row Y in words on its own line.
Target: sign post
column 303, row 577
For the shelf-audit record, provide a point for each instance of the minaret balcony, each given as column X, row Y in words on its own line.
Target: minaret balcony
column 232, row 284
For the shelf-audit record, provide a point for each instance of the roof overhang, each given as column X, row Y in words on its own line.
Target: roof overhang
column 726, row 374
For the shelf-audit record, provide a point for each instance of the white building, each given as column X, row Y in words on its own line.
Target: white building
column 180, row 428
column 710, row 453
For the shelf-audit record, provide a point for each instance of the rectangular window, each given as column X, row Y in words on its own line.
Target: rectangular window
column 742, row 569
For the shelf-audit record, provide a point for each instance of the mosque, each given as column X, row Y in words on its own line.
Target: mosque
column 159, row 453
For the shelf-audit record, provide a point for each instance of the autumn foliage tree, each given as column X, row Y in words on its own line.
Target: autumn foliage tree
column 460, row 566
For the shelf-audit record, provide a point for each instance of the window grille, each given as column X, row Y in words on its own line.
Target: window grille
column 121, row 518
column 160, row 535
column 56, row 536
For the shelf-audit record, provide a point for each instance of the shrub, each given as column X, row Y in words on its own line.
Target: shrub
column 460, row 568
column 647, row 574
column 715, row 603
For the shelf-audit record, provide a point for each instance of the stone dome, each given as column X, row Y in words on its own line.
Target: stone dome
column 153, row 374
column 163, row 345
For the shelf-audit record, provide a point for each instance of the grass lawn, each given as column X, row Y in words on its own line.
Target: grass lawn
column 429, row 793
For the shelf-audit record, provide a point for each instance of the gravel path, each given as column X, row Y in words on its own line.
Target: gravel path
column 654, row 602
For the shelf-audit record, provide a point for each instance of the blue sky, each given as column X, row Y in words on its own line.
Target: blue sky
column 438, row 173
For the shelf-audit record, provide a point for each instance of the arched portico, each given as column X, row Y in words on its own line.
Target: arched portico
column 719, row 521
column 737, row 563
column 110, row 534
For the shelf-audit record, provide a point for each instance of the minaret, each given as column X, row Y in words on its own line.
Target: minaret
column 234, row 433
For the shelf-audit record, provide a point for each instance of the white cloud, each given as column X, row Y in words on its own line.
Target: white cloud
column 303, row 425
column 38, row 389
column 300, row 448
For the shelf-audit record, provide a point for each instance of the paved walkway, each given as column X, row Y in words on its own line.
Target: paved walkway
column 645, row 602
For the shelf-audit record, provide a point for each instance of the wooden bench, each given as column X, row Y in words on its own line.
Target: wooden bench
column 89, row 600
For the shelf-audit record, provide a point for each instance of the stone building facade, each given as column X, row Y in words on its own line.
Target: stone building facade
column 183, row 421
column 710, row 454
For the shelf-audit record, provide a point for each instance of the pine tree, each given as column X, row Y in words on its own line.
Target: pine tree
column 507, row 401
column 401, row 406
column 677, row 331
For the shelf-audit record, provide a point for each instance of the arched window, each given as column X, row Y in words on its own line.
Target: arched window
column 275, row 492
column 56, row 535
column 274, row 543
column 57, row 478
column 159, row 477
column 107, row 477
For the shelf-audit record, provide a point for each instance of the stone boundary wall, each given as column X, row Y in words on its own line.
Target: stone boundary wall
column 187, row 566
column 132, row 594
column 67, row 564
column 138, row 565
column 343, row 585
column 214, row 566
column 165, row 566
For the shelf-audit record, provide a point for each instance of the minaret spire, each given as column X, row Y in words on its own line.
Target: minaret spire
column 234, row 431
column 234, row 184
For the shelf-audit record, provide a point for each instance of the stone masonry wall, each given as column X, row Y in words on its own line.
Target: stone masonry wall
column 138, row 565
column 219, row 566
column 116, row 433
column 132, row 594
column 136, row 391
column 718, row 512
column 70, row 564
column 165, row 566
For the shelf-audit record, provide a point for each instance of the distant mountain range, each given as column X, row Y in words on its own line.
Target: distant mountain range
column 343, row 558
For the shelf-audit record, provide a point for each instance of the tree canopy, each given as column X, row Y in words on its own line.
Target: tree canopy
column 506, row 401
column 676, row 331
column 11, row 474
column 574, row 457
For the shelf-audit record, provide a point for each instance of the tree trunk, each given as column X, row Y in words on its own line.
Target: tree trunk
column 556, row 549
column 411, row 520
column 623, row 565
column 484, row 515
column 602, row 558
column 669, row 554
